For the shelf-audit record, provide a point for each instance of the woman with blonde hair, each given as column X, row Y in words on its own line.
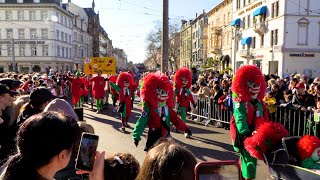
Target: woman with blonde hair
column 17, row 106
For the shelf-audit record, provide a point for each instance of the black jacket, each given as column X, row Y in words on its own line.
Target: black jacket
column 306, row 101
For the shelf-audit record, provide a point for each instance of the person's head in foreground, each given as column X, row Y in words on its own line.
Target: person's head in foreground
column 121, row 166
column 168, row 161
column 45, row 143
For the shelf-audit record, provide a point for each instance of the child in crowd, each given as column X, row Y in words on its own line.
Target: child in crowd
column 288, row 98
column 121, row 166
column 270, row 102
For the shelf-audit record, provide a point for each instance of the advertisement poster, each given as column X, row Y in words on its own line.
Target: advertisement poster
column 107, row 65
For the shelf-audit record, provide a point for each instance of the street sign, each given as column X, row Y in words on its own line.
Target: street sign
column 107, row 65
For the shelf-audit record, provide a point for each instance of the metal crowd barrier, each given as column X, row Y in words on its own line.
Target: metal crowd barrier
column 297, row 122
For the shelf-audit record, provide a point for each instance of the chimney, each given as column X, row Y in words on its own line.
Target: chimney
column 69, row 1
column 93, row 5
column 196, row 14
column 204, row 11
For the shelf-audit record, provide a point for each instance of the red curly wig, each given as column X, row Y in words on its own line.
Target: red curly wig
column 306, row 145
column 182, row 72
column 268, row 135
column 240, row 87
column 151, row 83
column 124, row 76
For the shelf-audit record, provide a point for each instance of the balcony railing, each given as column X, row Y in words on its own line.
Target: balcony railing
column 245, row 53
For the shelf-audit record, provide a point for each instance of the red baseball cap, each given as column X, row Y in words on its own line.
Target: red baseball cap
column 300, row 85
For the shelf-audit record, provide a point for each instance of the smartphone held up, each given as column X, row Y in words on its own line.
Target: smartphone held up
column 87, row 152
column 220, row 170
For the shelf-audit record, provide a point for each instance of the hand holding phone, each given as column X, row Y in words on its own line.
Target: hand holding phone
column 87, row 152
column 225, row 170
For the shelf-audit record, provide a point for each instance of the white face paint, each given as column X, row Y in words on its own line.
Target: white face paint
column 162, row 95
column 184, row 81
column 127, row 84
column 316, row 154
column 254, row 89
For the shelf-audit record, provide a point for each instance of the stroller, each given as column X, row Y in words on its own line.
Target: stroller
column 283, row 161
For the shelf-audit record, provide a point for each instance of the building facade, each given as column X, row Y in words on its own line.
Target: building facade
column 174, row 52
column 121, row 58
column 94, row 29
column 82, row 40
column 30, row 36
column 199, row 40
column 220, row 34
column 279, row 36
column 185, row 44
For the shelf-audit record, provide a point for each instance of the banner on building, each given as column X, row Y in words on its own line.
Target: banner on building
column 107, row 65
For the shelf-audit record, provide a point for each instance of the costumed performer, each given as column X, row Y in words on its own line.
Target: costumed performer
column 157, row 96
column 98, row 85
column 123, row 87
column 182, row 84
column 76, row 89
column 248, row 89
column 114, row 94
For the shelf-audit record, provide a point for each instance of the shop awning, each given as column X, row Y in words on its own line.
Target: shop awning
column 246, row 40
column 235, row 22
column 260, row 10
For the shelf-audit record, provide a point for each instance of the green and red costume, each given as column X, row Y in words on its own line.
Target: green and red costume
column 249, row 113
column 157, row 97
column 182, row 84
column 124, row 92
column 98, row 85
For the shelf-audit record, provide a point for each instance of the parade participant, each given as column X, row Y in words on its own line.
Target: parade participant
column 76, row 89
column 157, row 96
column 133, row 87
column 123, row 87
column 308, row 148
column 248, row 90
column 113, row 92
column 182, row 84
column 98, row 84
column 86, row 90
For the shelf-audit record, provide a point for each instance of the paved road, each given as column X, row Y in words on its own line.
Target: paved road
column 207, row 143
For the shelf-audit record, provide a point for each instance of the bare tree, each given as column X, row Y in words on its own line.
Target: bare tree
column 153, row 48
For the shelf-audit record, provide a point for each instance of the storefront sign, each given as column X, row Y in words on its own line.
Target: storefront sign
column 22, row 42
column 302, row 55
column 259, row 56
column 250, row 8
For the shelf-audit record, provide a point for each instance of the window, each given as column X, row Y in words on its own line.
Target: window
column 276, row 37
column 271, row 38
column 44, row 15
column 228, row 17
column 81, row 38
column 244, row 22
column 22, row 51
column 8, row 15
column 82, row 52
column 75, row 36
column 44, row 33
column 62, row 53
column 253, row 42
column 244, row 3
column 33, row 33
column 45, row 51
column 62, row 22
column 0, row 51
column 20, row 15
column 58, row 51
column 34, row 51
column 19, row 1
column 9, row 50
column 66, row 37
column 21, row 33
column 58, row 34
column 303, row 31
column 238, row 4
column 65, row 21
column 275, row 9
column 70, row 39
column 9, row 34
column 62, row 36
column 36, row 1
column 32, row 15
column 249, row 21
column 262, row 41
column 2, row 1
column 67, row 52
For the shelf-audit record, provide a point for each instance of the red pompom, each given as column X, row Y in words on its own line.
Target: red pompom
column 268, row 134
column 306, row 145
column 182, row 72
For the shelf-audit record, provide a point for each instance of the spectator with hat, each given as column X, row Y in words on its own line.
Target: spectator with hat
column 39, row 99
column 7, row 132
column 301, row 99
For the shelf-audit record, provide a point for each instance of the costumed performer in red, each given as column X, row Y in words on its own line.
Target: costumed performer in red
column 86, row 91
column 123, row 87
column 98, row 85
column 248, row 89
column 157, row 96
column 182, row 84
column 76, row 89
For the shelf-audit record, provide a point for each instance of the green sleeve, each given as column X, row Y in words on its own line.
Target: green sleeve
column 141, row 123
column 310, row 164
column 188, row 91
column 240, row 117
column 176, row 91
column 114, row 86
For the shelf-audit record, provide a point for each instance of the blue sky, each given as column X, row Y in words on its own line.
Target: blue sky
column 128, row 22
